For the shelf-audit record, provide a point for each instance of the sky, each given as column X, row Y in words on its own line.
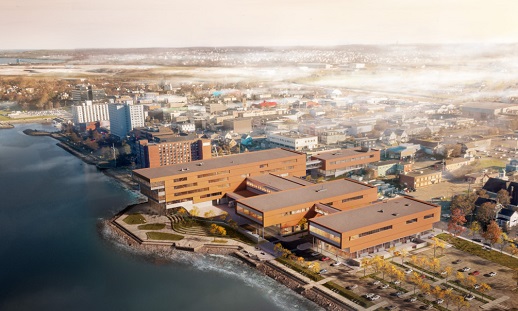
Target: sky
column 71, row 24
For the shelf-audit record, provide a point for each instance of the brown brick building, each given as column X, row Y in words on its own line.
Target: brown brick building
column 336, row 163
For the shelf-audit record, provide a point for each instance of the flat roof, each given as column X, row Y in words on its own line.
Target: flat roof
column 280, row 183
column 424, row 172
column 340, row 153
column 314, row 193
column 369, row 215
column 216, row 163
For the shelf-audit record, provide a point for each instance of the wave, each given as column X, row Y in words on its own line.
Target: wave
column 281, row 296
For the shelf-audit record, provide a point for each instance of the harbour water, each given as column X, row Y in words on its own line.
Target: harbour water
column 55, row 256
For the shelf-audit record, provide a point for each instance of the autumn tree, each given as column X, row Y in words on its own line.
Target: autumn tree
column 436, row 242
column 493, row 233
column 457, row 220
column 448, row 271
column 474, row 228
column 503, row 197
column 209, row 214
column 464, row 202
column 512, row 249
column 195, row 211
column 486, row 212
column 365, row 262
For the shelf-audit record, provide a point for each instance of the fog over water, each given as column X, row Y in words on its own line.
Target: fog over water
column 54, row 255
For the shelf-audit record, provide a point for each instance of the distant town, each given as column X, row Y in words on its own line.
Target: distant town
column 329, row 162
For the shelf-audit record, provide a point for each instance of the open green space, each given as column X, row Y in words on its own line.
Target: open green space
column 134, row 219
column 151, row 227
column 362, row 301
column 163, row 236
column 478, row 250
column 202, row 228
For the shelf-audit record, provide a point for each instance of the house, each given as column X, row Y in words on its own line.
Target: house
column 402, row 152
column 384, row 168
column 455, row 163
column 430, row 146
column 419, row 179
column 493, row 185
column 507, row 218
column 392, row 137
column 471, row 148
column 512, row 166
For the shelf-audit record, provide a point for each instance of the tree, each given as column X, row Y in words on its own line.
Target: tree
column 474, row 228
column 503, row 197
column 377, row 262
column 436, row 242
column 460, row 302
column 278, row 248
column 404, row 254
column 301, row 261
column 209, row 214
column 195, row 211
column 482, row 193
column 493, row 233
column 437, row 292
column 469, row 281
column 415, row 279
column 316, row 267
column 453, row 151
column 392, row 249
column 464, row 202
column 435, row 264
column 366, row 262
column 425, row 288
column 512, row 249
column 448, row 272
column 486, row 212
column 302, row 223
column 484, row 287
column 457, row 220
column 504, row 240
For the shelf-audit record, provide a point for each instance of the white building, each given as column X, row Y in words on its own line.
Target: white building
column 125, row 117
column 89, row 112
column 293, row 141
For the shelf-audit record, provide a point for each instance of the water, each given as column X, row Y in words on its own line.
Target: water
column 12, row 60
column 55, row 256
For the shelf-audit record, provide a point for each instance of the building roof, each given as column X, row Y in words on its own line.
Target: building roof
column 494, row 185
column 384, row 163
column 506, row 212
column 424, row 172
column 314, row 193
column 279, row 183
column 341, row 153
column 373, row 214
column 215, row 163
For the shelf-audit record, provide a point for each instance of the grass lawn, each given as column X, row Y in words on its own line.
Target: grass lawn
column 151, row 227
column 163, row 236
column 489, row 163
column 220, row 241
column 134, row 219
column 475, row 249
column 304, row 271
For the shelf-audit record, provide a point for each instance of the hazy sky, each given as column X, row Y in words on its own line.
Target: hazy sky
column 51, row 24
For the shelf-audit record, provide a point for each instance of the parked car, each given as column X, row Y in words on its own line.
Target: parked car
column 465, row 269
column 469, row 297
column 408, row 271
column 492, row 273
column 475, row 272
column 476, row 286
column 336, row 264
column 325, row 258
column 439, row 301
column 413, row 299
column 375, row 297
column 377, row 282
column 399, row 294
column 369, row 295
column 456, row 261
column 351, row 287
column 397, row 282
column 384, row 286
column 322, row 271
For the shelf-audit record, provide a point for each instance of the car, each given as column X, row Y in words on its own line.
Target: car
column 375, row 297
column 469, row 297
column 465, row 269
column 322, row 271
column 315, row 254
column 444, row 272
column 476, row 286
column 397, row 282
column 351, row 287
column 384, row 286
column 325, row 258
column 439, row 301
column 413, row 299
column 486, row 248
column 399, row 294
column 336, row 264
column 475, row 272
column 477, row 240
column 369, row 295
column 456, row 261
column 491, row 274
column 377, row 282
column 427, row 307
column 408, row 271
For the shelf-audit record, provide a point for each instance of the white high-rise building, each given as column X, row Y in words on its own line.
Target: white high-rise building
column 89, row 112
column 125, row 117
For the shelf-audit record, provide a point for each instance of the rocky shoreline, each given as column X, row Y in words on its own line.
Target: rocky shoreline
column 275, row 273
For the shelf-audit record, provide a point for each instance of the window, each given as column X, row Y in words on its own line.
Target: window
column 429, row 216
column 352, row 199
column 371, row 232
column 411, row 221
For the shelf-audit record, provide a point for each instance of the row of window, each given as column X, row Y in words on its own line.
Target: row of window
column 214, row 173
column 354, row 237
column 302, row 210
column 351, row 159
column 186, row 185
column 241, row 209
column 359, row 197
column 215, row 194
column 325, row 234
column 177, row 194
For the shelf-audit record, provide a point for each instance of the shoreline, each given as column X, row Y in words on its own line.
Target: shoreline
column 263, row 267
column 166, row 250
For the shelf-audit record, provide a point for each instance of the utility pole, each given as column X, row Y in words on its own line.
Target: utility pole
column 114, row 158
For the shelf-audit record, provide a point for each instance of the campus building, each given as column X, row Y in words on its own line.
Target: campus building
column 169, row 150
column 343, row 161
column 422, row 178
column 125, row 117
column 375, row 227
column 210, row 180
column 88, row 112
